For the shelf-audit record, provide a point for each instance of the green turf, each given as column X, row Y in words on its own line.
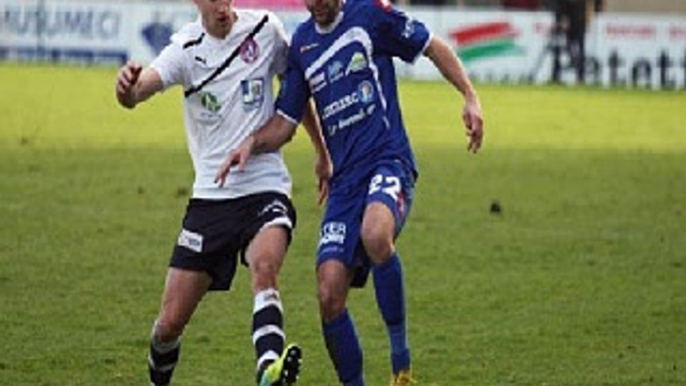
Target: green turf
column 580, row 281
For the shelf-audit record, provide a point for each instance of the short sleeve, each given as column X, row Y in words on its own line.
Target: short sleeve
column 170, row 64
column 398, row 34
column 281, row 40
column 294, row 91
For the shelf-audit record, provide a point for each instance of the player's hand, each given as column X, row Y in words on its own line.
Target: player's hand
column 474, row 124
column 323, row 169
column 237, row 157
column 126, row 80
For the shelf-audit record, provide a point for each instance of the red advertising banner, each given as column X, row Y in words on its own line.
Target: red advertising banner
column 271, row 4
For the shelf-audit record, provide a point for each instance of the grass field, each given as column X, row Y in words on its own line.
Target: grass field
column 580, row 281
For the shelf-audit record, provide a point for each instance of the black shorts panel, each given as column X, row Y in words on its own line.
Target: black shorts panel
column 215, row 232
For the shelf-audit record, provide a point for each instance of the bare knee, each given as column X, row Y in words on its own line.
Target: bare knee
column 378, row 243
column 265, row 254
column 332, row 289
column 378, row 231
column 168, row 329
column 331, row 303
column 264, row 274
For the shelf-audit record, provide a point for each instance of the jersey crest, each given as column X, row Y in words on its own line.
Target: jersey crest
column 250, row 51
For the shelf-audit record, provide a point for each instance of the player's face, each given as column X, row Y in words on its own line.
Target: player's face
column 217, row 16
column 324, row 12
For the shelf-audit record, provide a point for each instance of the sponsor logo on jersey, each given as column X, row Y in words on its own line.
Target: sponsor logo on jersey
column 250, row 51
column 190, row 240
column 357, row 63
column 317, row 83
column 348, row 121
column 332, row 232
column 335, row 71
column 209, row 101
column 253, row 93
column 308, row 47
column 364, row 94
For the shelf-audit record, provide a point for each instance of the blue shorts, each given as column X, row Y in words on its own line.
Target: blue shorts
column 389, row 183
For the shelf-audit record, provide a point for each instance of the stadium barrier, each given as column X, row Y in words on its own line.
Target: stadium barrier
column 646, row 51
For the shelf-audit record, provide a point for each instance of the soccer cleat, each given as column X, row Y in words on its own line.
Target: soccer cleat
column 285, row 370
column 403, row 378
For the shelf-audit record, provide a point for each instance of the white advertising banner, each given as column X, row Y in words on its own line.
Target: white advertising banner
column 87, row 32
column 494, row 46
column 646, row 51
column 513, row 47
column 64, row 31
column 638, row 52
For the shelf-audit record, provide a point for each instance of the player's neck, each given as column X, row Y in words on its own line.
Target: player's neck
column 220, row 29
column 324, row 29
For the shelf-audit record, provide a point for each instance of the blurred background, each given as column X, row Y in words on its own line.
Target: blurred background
column 553, row 257
column 625, row 43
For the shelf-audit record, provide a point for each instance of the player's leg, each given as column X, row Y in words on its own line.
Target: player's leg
column 577, row 48
column 388, row 204
column 377, row 235
column 577, row 31
column 204, row 259
column 341, row 263
column 338, row 328
column 265, row 255
column 183, row 291
column 270, row 235
column 560, row 42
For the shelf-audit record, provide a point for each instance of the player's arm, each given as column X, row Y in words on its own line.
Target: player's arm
column 452, row 70
column 135, row 84
column 323, row 167
column 313, row 128
column 272, row 136
column 268, row 138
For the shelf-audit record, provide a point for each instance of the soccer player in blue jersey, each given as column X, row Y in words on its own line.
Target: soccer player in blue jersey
column 342, row 57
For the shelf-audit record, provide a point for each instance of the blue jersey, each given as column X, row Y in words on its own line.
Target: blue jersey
column 348, row 70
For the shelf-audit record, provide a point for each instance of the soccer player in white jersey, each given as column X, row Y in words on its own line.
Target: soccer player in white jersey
column 342, row 57
column 226, row 61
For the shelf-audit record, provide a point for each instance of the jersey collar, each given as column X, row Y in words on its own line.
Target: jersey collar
column 332, row 26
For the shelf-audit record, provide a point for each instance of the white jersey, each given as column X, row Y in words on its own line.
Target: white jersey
column 231, row 106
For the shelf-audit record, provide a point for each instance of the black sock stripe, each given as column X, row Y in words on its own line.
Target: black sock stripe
column 166, row 359
column 270, row 315
column 273, row 342
column 160, row 377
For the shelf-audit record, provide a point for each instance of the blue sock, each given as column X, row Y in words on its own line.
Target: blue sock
column 344, row 349
column 390, row 297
